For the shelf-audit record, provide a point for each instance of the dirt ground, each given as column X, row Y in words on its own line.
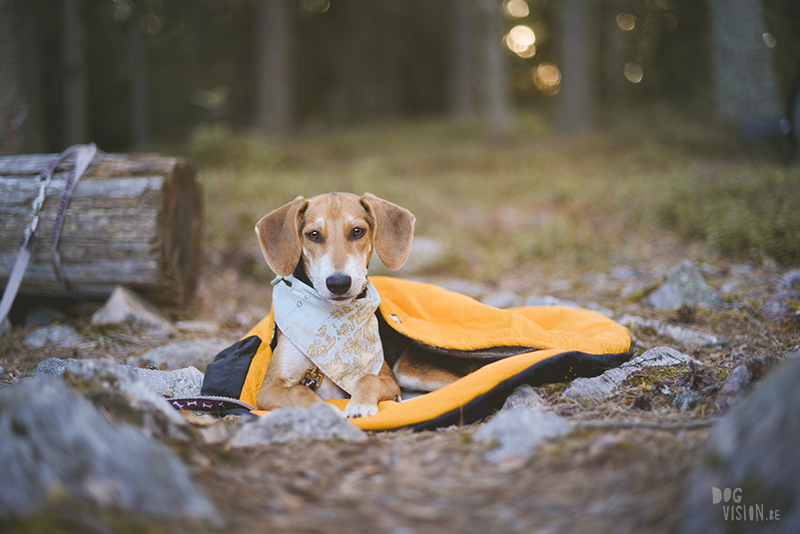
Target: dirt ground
column 604, row 477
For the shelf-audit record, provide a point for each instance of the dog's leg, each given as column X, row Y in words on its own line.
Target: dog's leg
column 281, row 387
column 371, row 389
column 422, row 371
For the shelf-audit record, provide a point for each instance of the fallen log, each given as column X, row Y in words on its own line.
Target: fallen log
column 133, row 220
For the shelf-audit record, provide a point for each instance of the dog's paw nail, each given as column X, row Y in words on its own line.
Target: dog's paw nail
column 359, row 410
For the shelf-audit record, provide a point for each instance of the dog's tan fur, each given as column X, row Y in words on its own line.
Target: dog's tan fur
column 332, row 235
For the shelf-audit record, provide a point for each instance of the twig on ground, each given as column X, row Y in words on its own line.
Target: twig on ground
column 650, row 425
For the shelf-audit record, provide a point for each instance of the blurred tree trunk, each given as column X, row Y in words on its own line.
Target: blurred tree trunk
column 494, row 72
column 460, row 92
column 577, row 98
column 274, row 95
column 22, row 96
column 745, row 77
column 74, row 74
column 140, row 135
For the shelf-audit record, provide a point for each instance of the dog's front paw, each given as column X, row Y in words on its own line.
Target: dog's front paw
column 359, row 410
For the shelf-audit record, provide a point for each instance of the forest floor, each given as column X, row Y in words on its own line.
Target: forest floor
column 590, row 220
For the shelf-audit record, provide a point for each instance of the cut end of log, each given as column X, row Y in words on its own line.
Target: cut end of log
column 134, row 220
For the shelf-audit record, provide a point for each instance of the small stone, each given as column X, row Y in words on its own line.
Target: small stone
column 181, row 383
column 464, row 287
column 536, row 300
column 425, row 253
column 60, row 336
column 319, row 423
column 777, row 305
column 739, row 382
column 685, row 400
column 686, row 336
column 729, row 287
column 44, row 316
column 791, row 281
column 126, row 306
column 518, row 431
column 502, row 299
column 53, row 366
column 599, row 387
column 623, row 272
column 525, row 396
column 684, row 286
column 196, row 353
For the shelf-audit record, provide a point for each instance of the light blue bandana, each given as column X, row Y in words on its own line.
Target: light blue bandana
column 340, row 338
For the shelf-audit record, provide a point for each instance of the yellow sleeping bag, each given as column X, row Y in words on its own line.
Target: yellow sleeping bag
column 533, row 345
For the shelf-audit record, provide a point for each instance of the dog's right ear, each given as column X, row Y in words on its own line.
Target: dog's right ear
column 279, row 235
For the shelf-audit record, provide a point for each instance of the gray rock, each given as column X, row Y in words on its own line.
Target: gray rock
column 739, row 382
column 599, row 387
column 777, row 304
column 730, row 287
column 158, row 416
column 43, row 316
column 536, row 300
column 185, row 382
column 791, row 281
column 525, row 396
column 502, row 299
column 319, row 423
column 54, row 443
column 125, row 306
column 60, row 336
column 465, row 287
column 686, row 336
column 53, row 366
column 179, row 354
column 752, row 449
column 685, row 400
column 635, row 288
column 623, row 272
column 425, row 253
column 684, row 286
column 517, row 433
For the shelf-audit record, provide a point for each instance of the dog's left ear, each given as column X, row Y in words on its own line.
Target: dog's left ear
column 393, row 229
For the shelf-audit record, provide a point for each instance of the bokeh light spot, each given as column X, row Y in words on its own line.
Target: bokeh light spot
column 516, row 8
column 626, row 22
column 633, row 72
column 316, row 6
column 547, row 78
column 519, row 40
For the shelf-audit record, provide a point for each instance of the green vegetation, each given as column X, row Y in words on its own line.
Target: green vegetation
column 748, row 211
column 623, row 196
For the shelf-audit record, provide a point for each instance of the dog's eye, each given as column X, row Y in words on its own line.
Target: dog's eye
column 313, row 235
column 358, row 231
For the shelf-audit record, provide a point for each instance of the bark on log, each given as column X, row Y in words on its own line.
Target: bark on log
column 134, row 220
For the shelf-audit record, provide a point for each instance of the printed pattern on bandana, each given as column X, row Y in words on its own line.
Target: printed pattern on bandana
column 341, row 339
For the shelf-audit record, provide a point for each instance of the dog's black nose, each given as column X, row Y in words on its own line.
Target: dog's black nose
column 338, row 283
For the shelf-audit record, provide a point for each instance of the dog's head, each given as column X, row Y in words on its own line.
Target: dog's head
column 331, row 238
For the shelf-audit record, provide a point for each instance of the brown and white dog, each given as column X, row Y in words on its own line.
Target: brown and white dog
column 326, row 242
